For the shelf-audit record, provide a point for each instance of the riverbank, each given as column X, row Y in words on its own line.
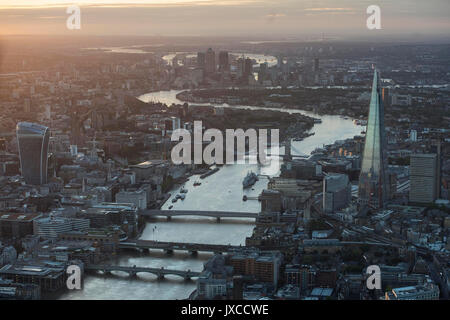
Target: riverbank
column 302, row 98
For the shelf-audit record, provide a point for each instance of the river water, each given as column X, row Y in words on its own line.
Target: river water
column 221, row 191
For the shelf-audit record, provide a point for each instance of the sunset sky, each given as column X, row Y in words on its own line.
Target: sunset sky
column 224, row 17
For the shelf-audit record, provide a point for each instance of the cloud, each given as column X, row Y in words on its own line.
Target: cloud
column 271, row 18
column 329, row 9
column 275, row 15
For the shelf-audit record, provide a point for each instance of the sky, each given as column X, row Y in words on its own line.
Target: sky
column 271, row 18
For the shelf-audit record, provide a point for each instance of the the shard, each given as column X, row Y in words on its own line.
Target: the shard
column 373, row 183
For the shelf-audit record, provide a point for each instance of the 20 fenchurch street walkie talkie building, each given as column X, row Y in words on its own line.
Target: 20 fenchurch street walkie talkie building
column 373, row 184
column 33, row 142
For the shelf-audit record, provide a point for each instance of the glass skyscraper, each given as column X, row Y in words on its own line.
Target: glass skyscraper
column 33, row 142
column 373, row 179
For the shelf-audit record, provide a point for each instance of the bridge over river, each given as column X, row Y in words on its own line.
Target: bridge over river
column 169, row 247
column 133, row 271
column 213, row 214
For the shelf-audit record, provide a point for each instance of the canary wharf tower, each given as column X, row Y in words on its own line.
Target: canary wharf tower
column 373, row 184
column 33, row 142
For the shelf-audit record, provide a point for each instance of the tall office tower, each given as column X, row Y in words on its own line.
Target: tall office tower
column 423, row 175
column 201, row 60
column 240, row 67
column 337, row 192
column 437, row 148
column 373, row 179
column 33, row 142
column 262, row 74
column 210, row 61
column 386, row 97
column 248, row 69
column 224, row 63
column 316, row 65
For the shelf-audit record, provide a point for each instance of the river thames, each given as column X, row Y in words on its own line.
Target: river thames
column 221, row 191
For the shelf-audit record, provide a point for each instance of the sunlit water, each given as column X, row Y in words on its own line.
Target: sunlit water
column 221, row 191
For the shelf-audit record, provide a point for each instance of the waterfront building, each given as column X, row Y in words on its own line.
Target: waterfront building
column 373, row 180
column 423, row 176
column 210, row 288
column 107, row 214
column 138, row 198
column 51, row 227
column 10, row 290
column 48, row 276
column 33, row 141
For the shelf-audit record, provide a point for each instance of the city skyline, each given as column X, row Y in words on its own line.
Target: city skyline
column 287, row 151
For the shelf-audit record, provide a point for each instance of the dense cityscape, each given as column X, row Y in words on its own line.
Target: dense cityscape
column 88, row 178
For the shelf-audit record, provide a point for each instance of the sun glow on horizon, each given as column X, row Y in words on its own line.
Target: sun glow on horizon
column 28, row 4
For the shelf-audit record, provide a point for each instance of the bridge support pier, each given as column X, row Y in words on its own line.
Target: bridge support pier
column 169, row 218
column 187, row 278
column 168, row 251
column 132, row 274
column 193, row 252
column 160, row 276
column 218, row 219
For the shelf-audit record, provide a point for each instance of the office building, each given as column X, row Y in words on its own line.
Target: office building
column 201, row 60
column 51, row 227
column 210, row 61
column 337, row 192
column 49, row 277
column 33, row 140
column 17, row 225
column 423, row 175
column 437, row 149
column 138, row 198
column 264, row 266
column 373, row 181
column 224, row 63
column 413, row 135
column 316, row 65
column 428, row 291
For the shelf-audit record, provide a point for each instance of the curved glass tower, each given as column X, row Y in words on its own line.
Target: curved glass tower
column 373, row 184
column 33, row 142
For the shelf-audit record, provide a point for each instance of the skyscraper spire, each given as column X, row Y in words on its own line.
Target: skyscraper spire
column 373, row 186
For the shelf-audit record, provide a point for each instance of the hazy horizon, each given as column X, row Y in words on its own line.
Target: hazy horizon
column 225, row 17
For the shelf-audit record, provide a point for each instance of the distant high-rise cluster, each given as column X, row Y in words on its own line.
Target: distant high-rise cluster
column 210, row 61
column 373, row 179
column 207, row 61
column 33, row 140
